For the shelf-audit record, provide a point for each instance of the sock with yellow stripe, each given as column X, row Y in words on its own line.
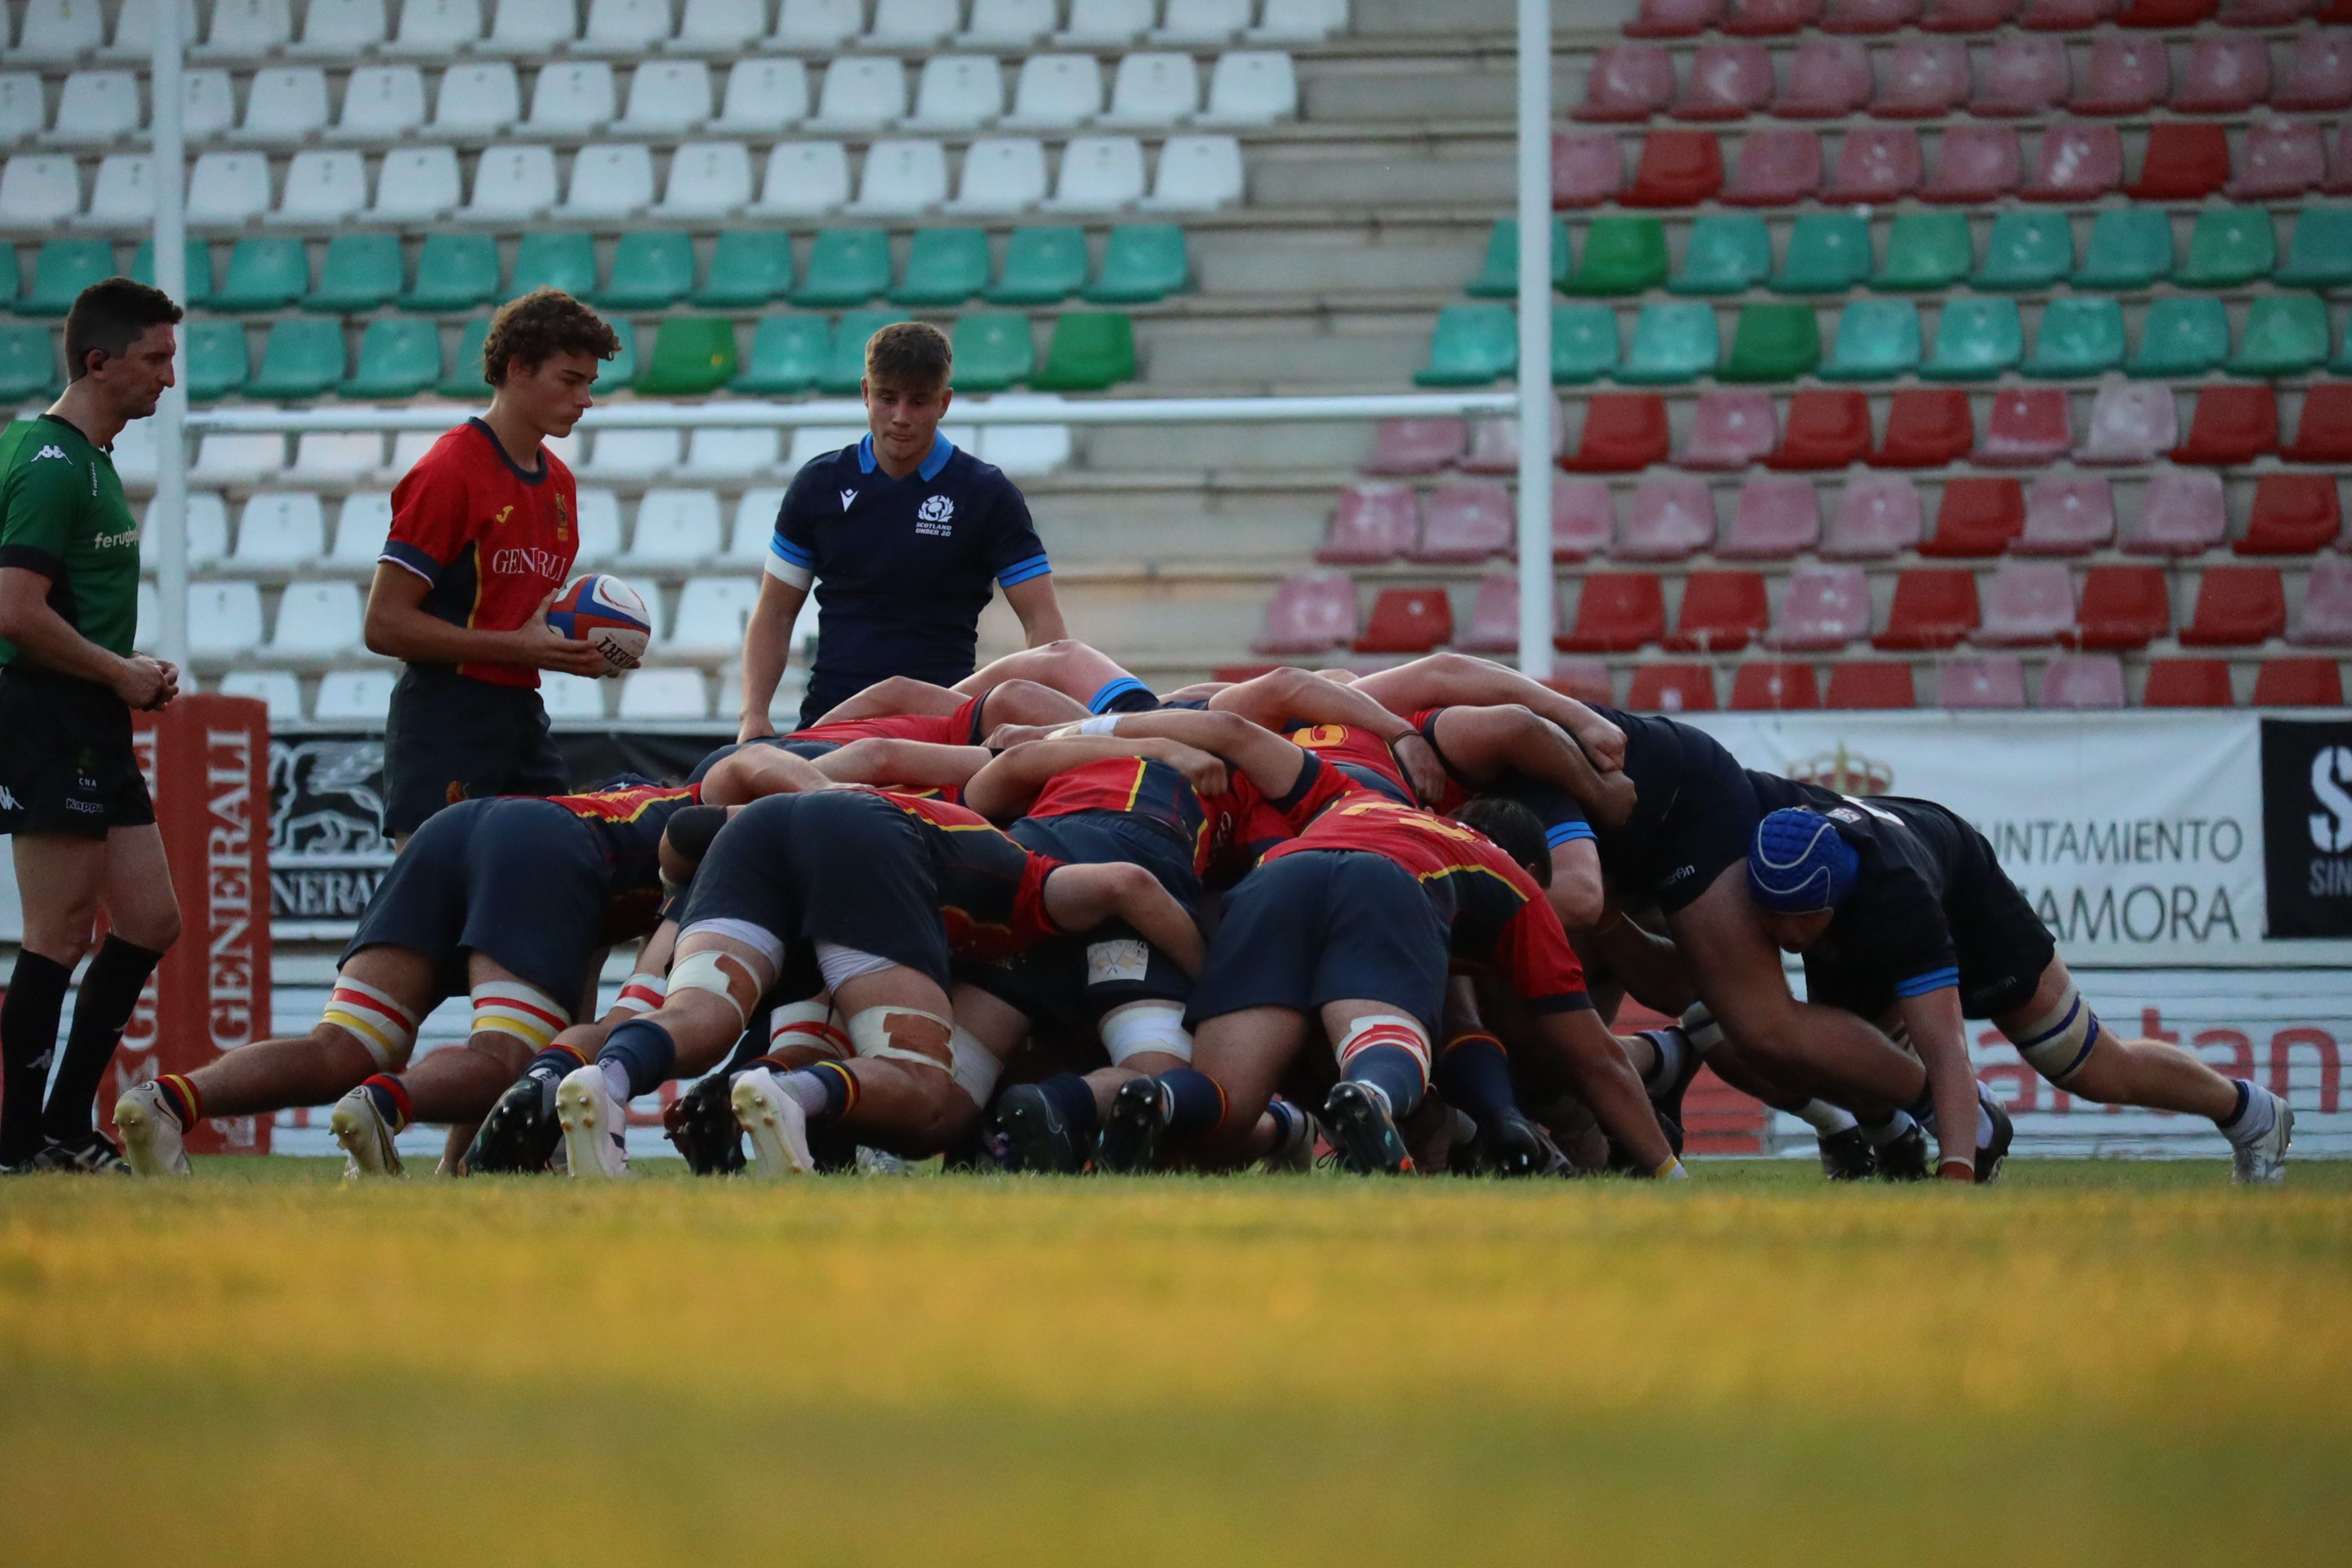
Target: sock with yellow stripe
column 390, row 1098
column 824, row 1092
column 551, row 1064
column 180, row 1097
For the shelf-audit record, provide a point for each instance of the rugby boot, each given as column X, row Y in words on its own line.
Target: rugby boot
column 1846, row 1156
column 366, row 1139
column 1515, row 1146
column 702, row 1124
column 1042, row 1142
column 520, row 1135
column 1989, row 1157
column 595, row 1126
column 778, row 1126
column 1131, row 1132
column 1905, row 1159
column 1360, row 1122
column 91, row 1154
column 2263, row 1159
column 1298, row 1157
column 151, row 1132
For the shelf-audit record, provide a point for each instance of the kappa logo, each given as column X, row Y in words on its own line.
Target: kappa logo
column 936, row 509
column 846, row 498
column 57, row 452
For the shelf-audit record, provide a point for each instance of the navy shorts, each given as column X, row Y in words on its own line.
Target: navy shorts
column 1071, row 981
column 807, row 751
column 839, row 866
column 1326, row 925
column 521, row 883
column 2001, row 942
column 451, row 738
column 66, row 762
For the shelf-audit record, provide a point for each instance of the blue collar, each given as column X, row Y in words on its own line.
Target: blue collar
column 941, row 450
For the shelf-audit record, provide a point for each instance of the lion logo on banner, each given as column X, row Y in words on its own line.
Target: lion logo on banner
column 326, row 797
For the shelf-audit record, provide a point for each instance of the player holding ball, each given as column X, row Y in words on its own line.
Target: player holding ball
column 484, row 532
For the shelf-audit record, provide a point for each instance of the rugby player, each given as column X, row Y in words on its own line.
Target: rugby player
column 903, row 710
column 1902, row 915
column 484, row 532
column 71, row 794
column 902, row 535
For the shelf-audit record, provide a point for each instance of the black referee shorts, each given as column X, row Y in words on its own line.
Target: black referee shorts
column 66, row 762
column 451, row 738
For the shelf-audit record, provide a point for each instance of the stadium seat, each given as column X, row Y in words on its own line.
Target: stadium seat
column 59, row 30
column 284, row 104
column 398, row 359
column 1933, row 607
column 693, row 355
column 2079, row 163
column 2286, row 334
column 454, row 272
column 1373, row 524
column 861, row 93
column 818, row 24
column 1870, row 683
column 1056, row 92
column 2229, row 247
column 1090, row 349
column 207, row 105
column 207, row 524
column 2237, row 606
column 844, row 361
column 749, row 268
column 94, row 108
column 631, row 454
column 1995, row 682
column 1773, row 686
column 2282, row 159
column 902, row 178
column 762, row 94
column 754, row 525
column 2129, row 425
column 1627, row 83
column 554, row 261
column 1676, row 169
column 1623, row 433
column 675, row 528
column 2299, row 683
column 1616, row 612
column 1869, row 15
column 2083, row 681
column 1768, row 18
column 1041, row 267
column 1252, row 87
column 652, row 269
column 1926, row 252
column 1587, row 168
column 2080, row 338
column 2124, row 607
column 512, row 184
column 2183, row 163
column 993, row 350
column 2027, row 251
column 944, row 267
column 1493, row 627
column 1495, row 445
column 1722, row 612
column 1976, row 340
column 1773, row 343
column 1728, row 430
column 599, row 525
column 2324, row 432
column 465, row 377
column 1876, row 518
column 2293, row 514
column 1825, row 609
column 719, row 453
column 573, row 98
column 1471, row 346
column 2188, row 683
column 1002, row 175
column 1416, row 446
column 302, row 358
column 338, row 29
column 1498, row 278
column 1583, row 344
column 1777, row 168
column 2024, row 76
column 1151, row 88
column 1727, row 81
column 121, row 196
column 1674, row 342
column 1143, row 263
column 1672, row 688
column 1725, row 253
column 2181, row 338
column 1622, row 255
column 1202, row 21
column 264, row 275
column 2231, row 425
column 1974, row 164
column 1977, row 518
column 2319, row 250
column 788, row 354
column 664, row 694
column 1668, row 519
column 1828, row 253
column 2124, row 75
column 339, row 457
column 436, row 27
column 316, row 620
column 1875, row 164
column 1878, row 339
column 227, row 189
column 804, row 179
column 361, row 273
column 2227, row 73
column 1774, row 519
column 1407, row 620
column 846, row 267
column 1309, row 613
column 1099, row 173
column 707, row 180
column 64, row 267
column 958, row 93
column 1828, row 79
column 2318, row 76
column 1196, row 174
column 1925, row 80
column 224, row 619
column 2180, row 513
column 415, row 185
column 1583, row 518
column 245, row 30
column 1826, row 429
column 2027, row 427
column 609, row 180
column 215, row 358
column 358, row 697
column 2066, row 516
column 1675, row 18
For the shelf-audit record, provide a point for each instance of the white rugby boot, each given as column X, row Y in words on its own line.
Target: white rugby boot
column 152, row 1138
column 2263, row 1159
column 778, row 1126
column 595, row 1125
column 365, row 1137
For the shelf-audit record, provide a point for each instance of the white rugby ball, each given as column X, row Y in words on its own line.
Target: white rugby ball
column 606, row 613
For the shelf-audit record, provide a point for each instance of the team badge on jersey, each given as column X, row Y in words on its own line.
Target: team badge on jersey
column 932, row 516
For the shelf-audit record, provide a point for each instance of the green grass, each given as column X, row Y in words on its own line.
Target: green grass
column 2096, row 1362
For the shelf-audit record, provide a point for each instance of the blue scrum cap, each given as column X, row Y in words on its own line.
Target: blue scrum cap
column 1799, row 863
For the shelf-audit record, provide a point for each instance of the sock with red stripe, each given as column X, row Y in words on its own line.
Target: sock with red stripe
column 553, row 1064
column 390, row 1097
column 1392, row 1069
column 824, row 1092
column 28, row 1044
column 181, row 1098
column 1474, row 1075
column 1194, row 1102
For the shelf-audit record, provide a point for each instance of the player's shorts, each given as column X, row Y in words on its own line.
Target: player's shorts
column 2002, row 946
column 1071, row 981
column 1325, row 925
column 838, row 865
column 451, row 738
column 1705, row 827
column 807, row 751
column 66, row 762
column 523, row 882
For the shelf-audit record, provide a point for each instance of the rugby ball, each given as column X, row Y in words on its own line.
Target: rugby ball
column 606, row 613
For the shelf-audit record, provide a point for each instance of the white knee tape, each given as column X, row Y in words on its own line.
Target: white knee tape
column 716, row 973
column 842, row 965
column 806, row 1026
column 1385, row 1029
column 1146, row 1026
column 975, row 1070
column 891, row 1033
column 382, row 1026
column 641, row 994
column 1700, row 1027
column 758, row 938
column 2060, row 1041
column 525, row 1012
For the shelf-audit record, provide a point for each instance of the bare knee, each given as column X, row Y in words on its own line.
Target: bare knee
column 155, row 929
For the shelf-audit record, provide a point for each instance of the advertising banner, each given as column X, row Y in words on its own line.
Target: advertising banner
column 2308, row 817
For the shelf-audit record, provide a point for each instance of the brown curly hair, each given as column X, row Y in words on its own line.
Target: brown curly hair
column 912, row 354
column 541, row 324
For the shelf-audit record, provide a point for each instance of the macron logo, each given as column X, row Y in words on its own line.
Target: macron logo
column 57, row 452
column 847, row 496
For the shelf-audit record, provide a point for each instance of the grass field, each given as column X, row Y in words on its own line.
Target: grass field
column 2093, row 1363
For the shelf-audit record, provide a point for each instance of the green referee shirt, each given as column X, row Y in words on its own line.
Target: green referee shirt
column 62, row 514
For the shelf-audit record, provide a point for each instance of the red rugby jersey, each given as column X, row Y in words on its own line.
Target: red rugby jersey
column 1349, row 747
column 939, row 729
column 628, row 822
column 992, row 888
column 489, row 538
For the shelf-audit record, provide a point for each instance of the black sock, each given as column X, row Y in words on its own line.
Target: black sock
column 1194, row 1100
column 109, row 990
column 1074, row 1098
column 646, row 1052
column 1474, row 1075
column 28, row 1043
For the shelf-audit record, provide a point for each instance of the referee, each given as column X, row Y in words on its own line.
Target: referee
column 71, row 794
column 902, row 535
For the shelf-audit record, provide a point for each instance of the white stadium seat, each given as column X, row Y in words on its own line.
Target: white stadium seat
column 624, row 26
column 1202, row 21
column 134, row 38
column 416, row 184
column 571, row 97
column 362, row 527
column 1056, row 92
column 600, row 526
column 610, row 179
column 531, row 28
column 437, row 27
column 1252, row 87
column 664, row 694
column 959, row 90
column 224, row 619
column 247, row 29
column 285, row 104
column 150, row 617
column 815, row 440
column 1196, row 174
column 860, row 94
column 729, row 454
column 1099, row 173
column 121, row 196
column 632, row 453
column 754, row 526
column 338, row 29
column 322, row 188
column 228, row 188
column 134, row 452
column 208, row 518
column 675, row 528
column 317, row 620
column 707, row 179
column 1026, row 448
column 818, row 24
column 721, row 24
column 42, row 190
column 572, row 696
column 912, row 23
column 228, row 458
column 408, row 449
column 381, row 104
column 280, row 528
column 477, row 100
column 1002, row 175
column 278, row 690
column 352, row 697
column 762, row 95
column 902, row 178
column 23, row 110
column 712, row 612
column 337, row 454
column 1010, row 23
column 1154, row 90
column 1106, row 21
column 93, row 108
column 207, row 105
column 668, row 95
column 58, row 30
column 804, row 179
column 1300, row 21
column 512, row 185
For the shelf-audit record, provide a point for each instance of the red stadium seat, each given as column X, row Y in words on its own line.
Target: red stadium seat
column 1877, row 518
column 1467, row 520
column 1977, row 518
column 1407, row 620
column 2319, row 77
column 2123, row 608
column 2325, row 618
column 1722, row 612
column 1678, row 169
column 2237, row 606
column 1828, row 79
column 2024, row 76
column 1777, row 168
column 1668, row 520
column 1775, row 519
column 2083, row 681
column 1828, row 428
column 1310, row 612
column 1672, row 688
column 1727, row 81
column 2028, row 603
column 2124, row 75
column 2283, row 158
column 1617, row 612
column 2078, row 163
column 1731, row 428
column 1927, row 428
column 1934, row 608
column 2293, row 514
column 2180, row 513
column 1995, row 682
column 2227, row 73
column 2324, row 434
column 1629, row 82
column 2067, row 516
column 1770, row 18
column 1966, row 15
column 1774, row 686
column 1862, row 683
column 2186, row 162
column 2232, row 425
column 1495, row 617
column 1825, row 609
column 1373, row 523
column 1926, row 78
column 1675, row 18
column 2165, row 13
column 1875, row 164
column 1495, row 445
column 2340, row 161
column 2299, row 683
column 1583, row 518
column 1588, row 167
column 2188, row 683
column 2131, row 423
column 2065, row 16
column 1623, row 432
column 2028, row 428
column 2264, row 13
column 1415, row 445
column 1869, row 15
column 1974, row 163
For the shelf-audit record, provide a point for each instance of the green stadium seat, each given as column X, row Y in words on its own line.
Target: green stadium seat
column 1143, row 263
column 215, row 359
column 265, row 274
column 1975, row 341
column 565, row 261
column 693, row 355
column 2286, row 334
column 12, row 277
column 1090, row 349
column 844, row 360
column 2181, row 337
column 1583, row 344
column 400, row 356
column 652, row 268
column 993, row 351
column 788, row 354
column 1672, row 344
column 1878, row 339
column 2081, row 336
column 618, row 372
column 1471, row 346
column 2319, row 251
column 846, row 267
column 465, row 377
column 361, row 273
column 944, row 267
column 749, row 268
column 1499, row 280
column 2131, row 247
column 198, row 266
column 1041, row 267
column 2228, row 247
column 1925, row 251
column 63, row 268
column 2342, row 363
column 2027, row 250
column 1829, row 253
column 1773, row 342
column 29, row 360
column 454, row 272
column 1727, row 253
column 1622, row 255
column 302, row 358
